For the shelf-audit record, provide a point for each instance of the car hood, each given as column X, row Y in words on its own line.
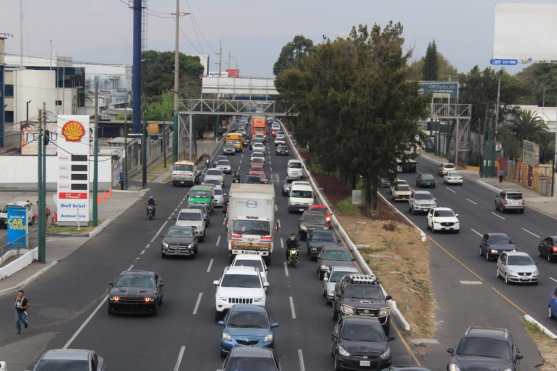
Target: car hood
column 248, row 333
column 522, row 268
column 446, row 219
column 240, row 292
column 131, row 292
column 502, row 246
column 425, row 202
column 473, row 363
column 189, row 223
column 321, row 244
column 178, row 240
column 364, row 347
column 365, row 303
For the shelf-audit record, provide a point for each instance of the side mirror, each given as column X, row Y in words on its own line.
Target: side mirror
column 274, row 325
column 161, row 284
column 111, row 284
column 266, row 284
column 457, row 215
column 216, row 282
column 220, row 323
column 519, row 356
column 450, row 351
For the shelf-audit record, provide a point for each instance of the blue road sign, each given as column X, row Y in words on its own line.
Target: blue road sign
column 503, row 62
column 445, row 87
column 17, row 227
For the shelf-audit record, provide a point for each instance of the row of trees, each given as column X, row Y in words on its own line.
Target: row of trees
column 358, row 110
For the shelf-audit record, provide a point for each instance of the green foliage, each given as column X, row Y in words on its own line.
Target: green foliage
column 541, row 78
column 446, row 71
column 430, row 70
column 357, row 110
column 292, row 53
column 160, row 109
column 525, row 125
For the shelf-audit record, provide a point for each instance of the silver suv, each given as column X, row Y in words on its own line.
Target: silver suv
column 421, row 202
column 509, row 200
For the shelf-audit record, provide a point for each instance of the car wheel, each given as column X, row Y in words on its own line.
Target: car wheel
column 481, row 252
column 336, row 365
column 155, row 310
column 540, row 254
column 506, row 279
column 222, row 354
column 109, row 309
column 218, row 316
column 163, row 255
column 522, row 211
column 387, row 327
column 335, row 314
column 550, row 313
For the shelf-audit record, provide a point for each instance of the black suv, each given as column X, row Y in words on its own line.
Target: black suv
column 361, row 294
column 484, row 348
column 359, row 343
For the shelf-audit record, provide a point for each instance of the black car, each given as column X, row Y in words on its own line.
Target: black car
column 333, row 256
column 317, row 239
column 493, row 244
column 547, row 248
column 360, row 294
column 179, row 241
column 282, row 149
column 251, row 359
column 485, row 349
column 425, row 181
column 309, row 221
column 136, row 291
column 359, row 343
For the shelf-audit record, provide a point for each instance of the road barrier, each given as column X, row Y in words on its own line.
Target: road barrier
column 345, row 237
column 18, row 264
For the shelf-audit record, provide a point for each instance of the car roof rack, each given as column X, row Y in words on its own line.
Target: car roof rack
column 362, row 278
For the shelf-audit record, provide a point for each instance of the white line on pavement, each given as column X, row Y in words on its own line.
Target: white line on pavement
column 498, row 216
column 159, row 231
column 470, row 282
column 179, row 360
column 286, row 270
column 197, row 303
column 292, row 310
column 76, row 334
column 218, row 241
column 301, row 360
column 142, row 252
column 210, row 265
column 471, row 201
column 450, row 190
column 476, row 232
column 553, row 279
column 281, row 243
column 278, row 222
column 130, row 268
column 531, row 233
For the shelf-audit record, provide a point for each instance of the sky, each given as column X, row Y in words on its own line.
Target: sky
column 252, row 32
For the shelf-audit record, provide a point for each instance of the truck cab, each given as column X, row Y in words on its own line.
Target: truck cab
column 184, row 173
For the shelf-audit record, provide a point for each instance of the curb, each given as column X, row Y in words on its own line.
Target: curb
column 541, row 327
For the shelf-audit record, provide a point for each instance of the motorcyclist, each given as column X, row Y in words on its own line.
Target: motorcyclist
column 236, row 177
column 151, row 203
column 291, row 244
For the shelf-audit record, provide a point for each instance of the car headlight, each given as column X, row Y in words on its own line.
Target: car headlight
column 493, row 251
column 342, row 351
column 386, row 354
column 268, row 338
column 148, row 299
column 115, row 299
column 453, row 367
column 324, row 268
column 226, row 336
column 303, row 227
column 259, row 300
column 384, row 312
column 346, row 309
column 222, row 298
column 164, row 244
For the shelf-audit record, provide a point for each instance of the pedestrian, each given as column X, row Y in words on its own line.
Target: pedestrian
column 21, row 306
column 121, row 180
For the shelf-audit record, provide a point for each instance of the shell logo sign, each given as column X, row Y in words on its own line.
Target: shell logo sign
column 73, row 131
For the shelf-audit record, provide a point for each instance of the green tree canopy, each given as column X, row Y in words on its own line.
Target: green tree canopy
column 292, row 53
column 446, row 71
column 430, row 70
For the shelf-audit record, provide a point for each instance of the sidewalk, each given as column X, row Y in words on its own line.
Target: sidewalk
column 542, row 204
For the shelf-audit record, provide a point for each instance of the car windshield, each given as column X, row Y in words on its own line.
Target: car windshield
column 248, row 320
column 200, row 194
column 499, row 238
column 224, row 163
column 62, row 365
column 258, row 227
column 301, row 194
column 248, row 281
column 427, row 177
column 140, row 281
column 484, row 347
column 423, row 196
column 520, row 260
column 218, row 192
column 341, row 255
column 214, row 172
column 189, row 216
column 444, row 213
column 362, row 332
column 295, row 165
column 324, row 236
column 212, row 181
column 180, row 232
column 250, row 364
column 452, row 173
column 361, row 291
column 249, row 263
column 313, row 218
column 183, row 167
column 402, row 187
column 448, row 166
column 337, row 276
column 514, row 196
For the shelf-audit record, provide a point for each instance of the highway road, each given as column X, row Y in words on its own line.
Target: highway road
column 69, row 307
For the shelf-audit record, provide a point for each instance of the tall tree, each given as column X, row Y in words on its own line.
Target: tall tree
column 292, row 53
column 431, row 66
column 446, row 70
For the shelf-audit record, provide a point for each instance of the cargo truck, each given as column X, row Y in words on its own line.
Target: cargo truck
column 258, row 126
column 251, row 219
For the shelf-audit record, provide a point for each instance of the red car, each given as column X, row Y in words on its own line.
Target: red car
column 320, row 208
column 256, row 166
column 260, row 173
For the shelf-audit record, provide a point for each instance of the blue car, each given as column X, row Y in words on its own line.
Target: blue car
column 246, row 325
column 552, row 307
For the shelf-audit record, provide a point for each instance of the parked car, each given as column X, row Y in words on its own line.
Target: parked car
column 445, row 167
column 453, row 178
column 517, row 267
column 509, row 200
column 333, row 256
column 359, row 343
column 317, row 239
column 134, row 291
column 400, row 192
column 485, row 348
column 442, row 219
column 251, row 358
column 547, row 248
column 425, row 181
column 421, row 202
column 493, row 244
column 330, row 280
column 246, row 325
column 70, row 359
column 179, row 241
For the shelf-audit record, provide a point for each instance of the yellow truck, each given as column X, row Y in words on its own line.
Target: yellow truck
column 236, row 139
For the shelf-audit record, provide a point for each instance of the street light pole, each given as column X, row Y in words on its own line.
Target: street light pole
column 96, row 157
column 41, row 186
column 126, row 147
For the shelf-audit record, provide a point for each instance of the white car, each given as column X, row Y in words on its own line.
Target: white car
column 214, row 173
column 239, row 285
column 258, row 147
column 300, row 197
column 445, row 167
column 517, row 267
column 252, row 260
column 257, row 159
column 400, row 192
column 452, row 177
column 193, row 218
column 294, row 169
column 224, row 166
column 218, row 197
column 443, row 219
column 421, row 202
column 330, row 280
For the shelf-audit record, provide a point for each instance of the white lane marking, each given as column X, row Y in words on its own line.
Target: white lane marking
column 142, row 252
column 292, row 309
column 286, row 270
column 159, row 231
column 301, row 360
column 85, row 323
column 281, row 243
column 130, row 268
column 278, row 222
column 497, row 215
column 553, row 279
column 218, row 241
column 276, row 207
column 470, row 282
column 180, row 356
column 531, row 233
column 210, row 265
column 197, row 303
column 450, row 189
column 471, row 201
column 476, row 232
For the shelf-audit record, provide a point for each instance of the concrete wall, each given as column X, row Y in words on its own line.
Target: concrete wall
column 19, row 173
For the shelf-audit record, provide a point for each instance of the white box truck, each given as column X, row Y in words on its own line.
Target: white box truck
column 251, row 219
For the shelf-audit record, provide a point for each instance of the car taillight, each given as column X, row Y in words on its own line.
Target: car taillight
column 328, row 219
column 236, row 236
column 554, row 249
column 267, row 238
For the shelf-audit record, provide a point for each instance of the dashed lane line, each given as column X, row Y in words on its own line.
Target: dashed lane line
column 180, row 357
column 218, row 241
column 210, row 265
column 476, row 232
column 553, row 279
column 498, row 216
column 286, row 270
column 471, row 201
column 86, row 322
column 450, row 189
column 301, row 363
column 531, row 233
column 159, row 231
column 281, row 243
column 292, row 309
column 197, row 302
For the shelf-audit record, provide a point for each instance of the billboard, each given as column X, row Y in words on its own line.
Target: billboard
column 29, row 135
column 73, row 169
column 17, row 226
column 525, row 32
column 530, row 153
column 438, row 87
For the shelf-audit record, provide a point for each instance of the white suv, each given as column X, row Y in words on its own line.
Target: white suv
column 239, row 285
column 252, row 260
column 443, row 219
column 294, row 169
column 193, row 218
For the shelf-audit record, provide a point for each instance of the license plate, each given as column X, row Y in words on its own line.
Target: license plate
column 365, row 363
column 301, row 210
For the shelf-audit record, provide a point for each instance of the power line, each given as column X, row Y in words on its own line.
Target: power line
column 190, row 42
column 196, row 27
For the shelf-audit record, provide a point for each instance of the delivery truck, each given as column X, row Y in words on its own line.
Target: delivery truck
column 251, row 219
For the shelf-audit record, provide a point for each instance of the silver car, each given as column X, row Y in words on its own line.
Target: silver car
column 218, row 197
column 330, row 280
column 70, row 359
column 517, row 267
column 224, row 165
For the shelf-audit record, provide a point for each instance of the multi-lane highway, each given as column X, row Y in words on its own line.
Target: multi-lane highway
column 69, row 302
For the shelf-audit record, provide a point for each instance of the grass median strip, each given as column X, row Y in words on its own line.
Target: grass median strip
column 546, row 347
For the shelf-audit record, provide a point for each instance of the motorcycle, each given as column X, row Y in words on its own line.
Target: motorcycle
column 150, row 212
column 293, row 257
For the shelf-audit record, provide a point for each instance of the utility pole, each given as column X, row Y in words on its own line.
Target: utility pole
column 497, row 107
column 176, row 83
column 457, row 139
column 41, row 185
column 96, row 156
column 126, row 145
column 21, row 34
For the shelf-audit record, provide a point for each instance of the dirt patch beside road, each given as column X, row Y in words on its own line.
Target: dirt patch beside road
column 546, row 347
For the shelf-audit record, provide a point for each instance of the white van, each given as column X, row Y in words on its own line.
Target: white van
column 300, row 196
column 294, row 170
